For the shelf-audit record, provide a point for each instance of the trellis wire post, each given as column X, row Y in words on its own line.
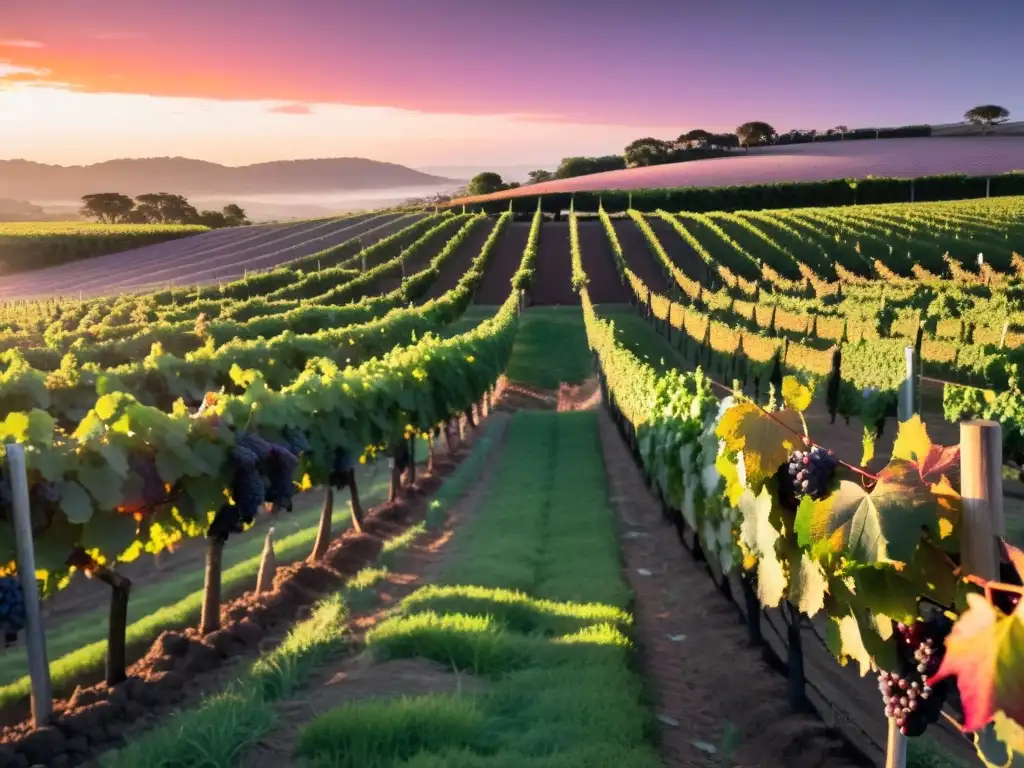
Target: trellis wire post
column 907, row 402
column 35, row 638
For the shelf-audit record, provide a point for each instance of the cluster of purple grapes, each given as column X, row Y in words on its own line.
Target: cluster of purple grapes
column 143, row 466
column 908, row 698
column 12, row 609
column 343, row 465
column 253, row 458
column 810, row 472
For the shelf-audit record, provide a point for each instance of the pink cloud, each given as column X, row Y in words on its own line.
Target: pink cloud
column 291, row 109
column 8, row 43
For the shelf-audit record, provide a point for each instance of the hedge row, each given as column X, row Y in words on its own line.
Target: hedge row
column 796, row 194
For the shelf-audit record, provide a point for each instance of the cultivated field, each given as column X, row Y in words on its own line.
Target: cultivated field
column 32, row 246
column 883, row 158
column 526, row 421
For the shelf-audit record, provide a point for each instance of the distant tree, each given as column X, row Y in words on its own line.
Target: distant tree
column 537, row 177
column 513, row 185
column 646, row 151
column 164, row 208
column 107, row 207
column 698, row 138
column 235, row 216
column 841, row 129
column 755, row 134
column 724, row 141
column 571, row 167
column 987, row 115
column 485, row 183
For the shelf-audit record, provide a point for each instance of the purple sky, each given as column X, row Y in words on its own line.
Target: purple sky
column 643, row 63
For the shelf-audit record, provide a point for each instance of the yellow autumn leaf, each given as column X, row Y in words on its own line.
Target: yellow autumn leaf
column 912, row 441
column 795, row 395
column 766, row 440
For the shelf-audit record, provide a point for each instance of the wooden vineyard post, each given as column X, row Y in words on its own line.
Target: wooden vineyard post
column 834, row 382
column 412, row 459
column 907, row 406
column 795, row 658
column 988, row 187
column 323, row 533
column 35, row 637
column 753, row 609
column 268, row 564
column 430, row 450
column 981, row 487
column 355, row 506
column 210, row 620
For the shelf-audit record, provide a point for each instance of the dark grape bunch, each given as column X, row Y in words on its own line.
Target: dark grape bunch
column 247, row 487
column 226, row 522
column 296, row 439
column 12, row 609
column 281, row 466
column 343, row 465
column 144, row 467
column 908, row 698
column 811, row 471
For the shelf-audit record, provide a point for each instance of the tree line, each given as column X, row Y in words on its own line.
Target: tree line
column 157, row 208
column 700, row 144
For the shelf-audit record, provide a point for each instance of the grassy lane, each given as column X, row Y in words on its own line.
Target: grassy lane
column 77, row 646
column 551, row 347
column 217, row 732
column 534, row 606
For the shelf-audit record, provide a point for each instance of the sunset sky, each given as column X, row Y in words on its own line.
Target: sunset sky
column 463, row 82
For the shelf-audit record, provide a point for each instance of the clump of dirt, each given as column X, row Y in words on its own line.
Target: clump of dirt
column 579, row 397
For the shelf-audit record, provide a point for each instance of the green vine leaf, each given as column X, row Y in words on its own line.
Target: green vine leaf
column 766, row 440
column 1000, row 744
column 884, row 525
column 808, row 586
column 75, row 502
column 759, row 537
column 796, row 395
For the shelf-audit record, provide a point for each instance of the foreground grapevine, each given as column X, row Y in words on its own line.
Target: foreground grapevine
column 12, row 608
column 906, row 694
column 811, row 471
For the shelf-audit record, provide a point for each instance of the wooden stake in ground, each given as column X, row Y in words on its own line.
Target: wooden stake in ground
column 353, row 502
column 323, row 533
column 430, row 450
column 412, row 459
column 981, row 487
column 210, row 620
column 268, row 564
column 35, row 639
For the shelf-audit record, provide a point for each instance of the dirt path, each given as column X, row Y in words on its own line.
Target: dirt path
column 458, row 263
column 605, row 287
column 706, row 679
column 639, row 257
column 351, row 678
column 552, row 283
column 508, row 252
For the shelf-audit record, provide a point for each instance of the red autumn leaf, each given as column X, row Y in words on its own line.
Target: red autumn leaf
column 985, row 651
column 938, row 460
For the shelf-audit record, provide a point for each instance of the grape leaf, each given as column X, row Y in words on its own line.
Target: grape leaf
column 985, row 651
column 795, row 395
column 759, row 536
column 766, row 440
column 75, row 502
column 112, row 535
column 913, row 445
column 1000, row 744
column 881, row 526
column 808, row 586
column 843, row 638
column 103, row 484
column 885, row 590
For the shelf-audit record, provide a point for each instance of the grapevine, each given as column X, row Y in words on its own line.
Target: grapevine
column 12, row 608
column 908, row 698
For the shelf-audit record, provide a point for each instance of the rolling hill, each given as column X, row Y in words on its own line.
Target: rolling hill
column 903, row 158
column 25, row 180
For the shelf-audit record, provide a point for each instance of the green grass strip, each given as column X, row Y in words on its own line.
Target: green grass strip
column 551, row 347
column 550, row 641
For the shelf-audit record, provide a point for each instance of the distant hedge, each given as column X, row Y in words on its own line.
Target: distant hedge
column 796, row 194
